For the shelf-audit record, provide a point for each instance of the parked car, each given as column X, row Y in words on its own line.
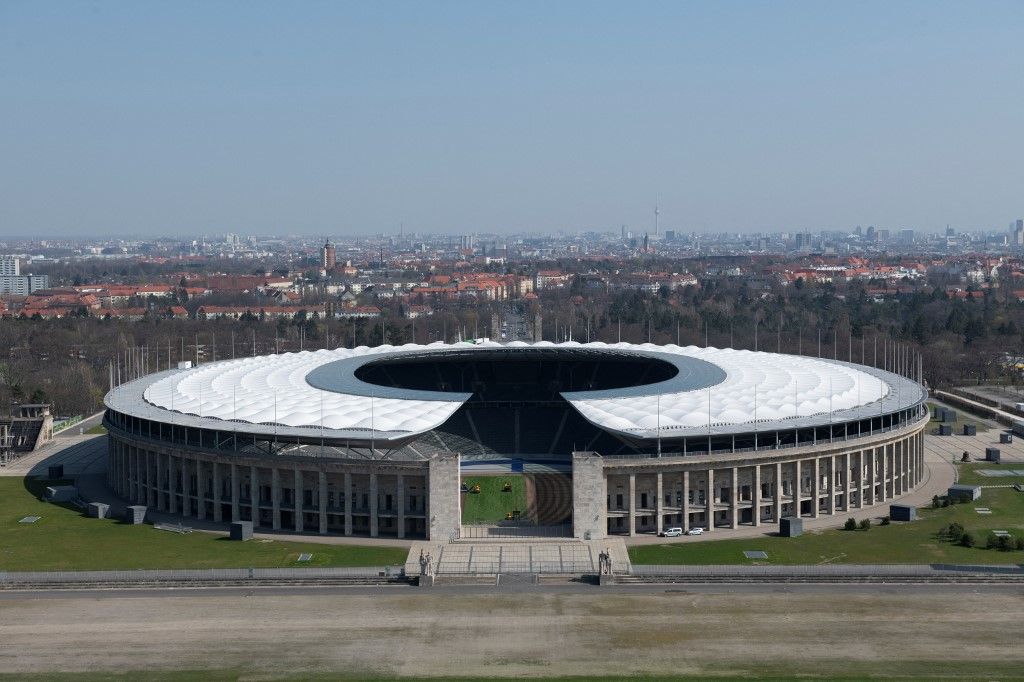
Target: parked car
column 672, row 532
column 695, row 531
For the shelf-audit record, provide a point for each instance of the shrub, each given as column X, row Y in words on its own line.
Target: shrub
column 865, row 524
column 936, row 502
column 885, row 521
column 850, row 525
column 945, row 501
column 967, row 540
column 1005, row 543
column 1018, row 543
column 955, row 532
column 992, row 541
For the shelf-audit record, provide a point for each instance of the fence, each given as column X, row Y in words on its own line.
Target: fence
column 13, row 578
column 827, row 570
column 65, row 423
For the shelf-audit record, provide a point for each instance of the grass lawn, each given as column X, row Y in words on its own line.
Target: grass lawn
column 969, row 473
column 897, row 543
column 958, row 425
column 65, row 539
column 98, row 429
column 491, row 504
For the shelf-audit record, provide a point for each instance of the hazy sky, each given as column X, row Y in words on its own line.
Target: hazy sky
column 337, row 118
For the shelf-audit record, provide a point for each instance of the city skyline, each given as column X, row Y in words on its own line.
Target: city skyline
column 155, row 119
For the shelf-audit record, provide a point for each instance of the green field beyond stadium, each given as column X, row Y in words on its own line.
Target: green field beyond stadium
column 917, row 542
column 65, row 539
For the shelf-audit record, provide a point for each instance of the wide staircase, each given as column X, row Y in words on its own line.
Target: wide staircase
column 470, row 562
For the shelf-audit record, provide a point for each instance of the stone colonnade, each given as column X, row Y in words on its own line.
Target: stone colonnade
column 727, row 492
column 343, row 498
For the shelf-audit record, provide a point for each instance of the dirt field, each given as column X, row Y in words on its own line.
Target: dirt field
column 874, row 632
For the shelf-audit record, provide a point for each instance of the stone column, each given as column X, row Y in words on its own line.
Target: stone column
column 299, row 499
column 400, row 505
column 734, row 499
column 161, row 475
column 685, row 501
column 374, row 505
column 136, row 481
column 275, row 498
column 831, row 487
column 445, row 502
column 348, row 502
column 172, row 485
column 234, row 493
column 148, row 463
column 659, row 503
column 589, row 497
column 200, row 489
column 186, row 495
column 886, row 471
column 871, row 476
column 816, row 488
column 218, row 486
column 710, row 500
column 777, row 502
column 254, row 496
column 846, row 481
column 797, row 486
column 322, row 500
column 632, row 505
column 755, row 495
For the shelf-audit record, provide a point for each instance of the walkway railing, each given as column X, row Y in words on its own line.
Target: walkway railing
column 14, row 578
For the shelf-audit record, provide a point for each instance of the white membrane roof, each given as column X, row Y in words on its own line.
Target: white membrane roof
column 753, row 390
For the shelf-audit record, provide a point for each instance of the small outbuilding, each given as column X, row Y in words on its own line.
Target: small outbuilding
column 791, row 527
column 241, row 530
column 135, row 514
column 61, row 493
column 992, row 455
column 945, row 429
column 99, row 510
column 963, row 492
column 1005, row 438
column 970, row 430
column 902, row 512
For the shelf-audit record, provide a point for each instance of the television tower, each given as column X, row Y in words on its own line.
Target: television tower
column 656, row 214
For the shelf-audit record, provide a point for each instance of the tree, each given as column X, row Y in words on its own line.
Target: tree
column 967, row 540
column 955, row 531
column 992, row 541
column 850, row 525
column 865, row 524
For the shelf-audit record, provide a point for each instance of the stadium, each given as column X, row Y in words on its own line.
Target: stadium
column 616, row 439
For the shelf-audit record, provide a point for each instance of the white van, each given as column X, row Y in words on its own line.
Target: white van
column 672, row 532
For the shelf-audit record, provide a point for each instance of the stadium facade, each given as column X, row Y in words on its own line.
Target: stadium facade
column 370, row 441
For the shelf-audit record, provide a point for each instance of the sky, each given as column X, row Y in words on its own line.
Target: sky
column 338, row 118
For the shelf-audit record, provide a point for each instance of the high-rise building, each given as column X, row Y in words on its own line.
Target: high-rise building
column 9, row 265
column 1018, row 232
column 23, row 285
column 328, row 256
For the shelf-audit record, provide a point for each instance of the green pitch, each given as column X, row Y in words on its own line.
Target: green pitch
column 491, row 504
